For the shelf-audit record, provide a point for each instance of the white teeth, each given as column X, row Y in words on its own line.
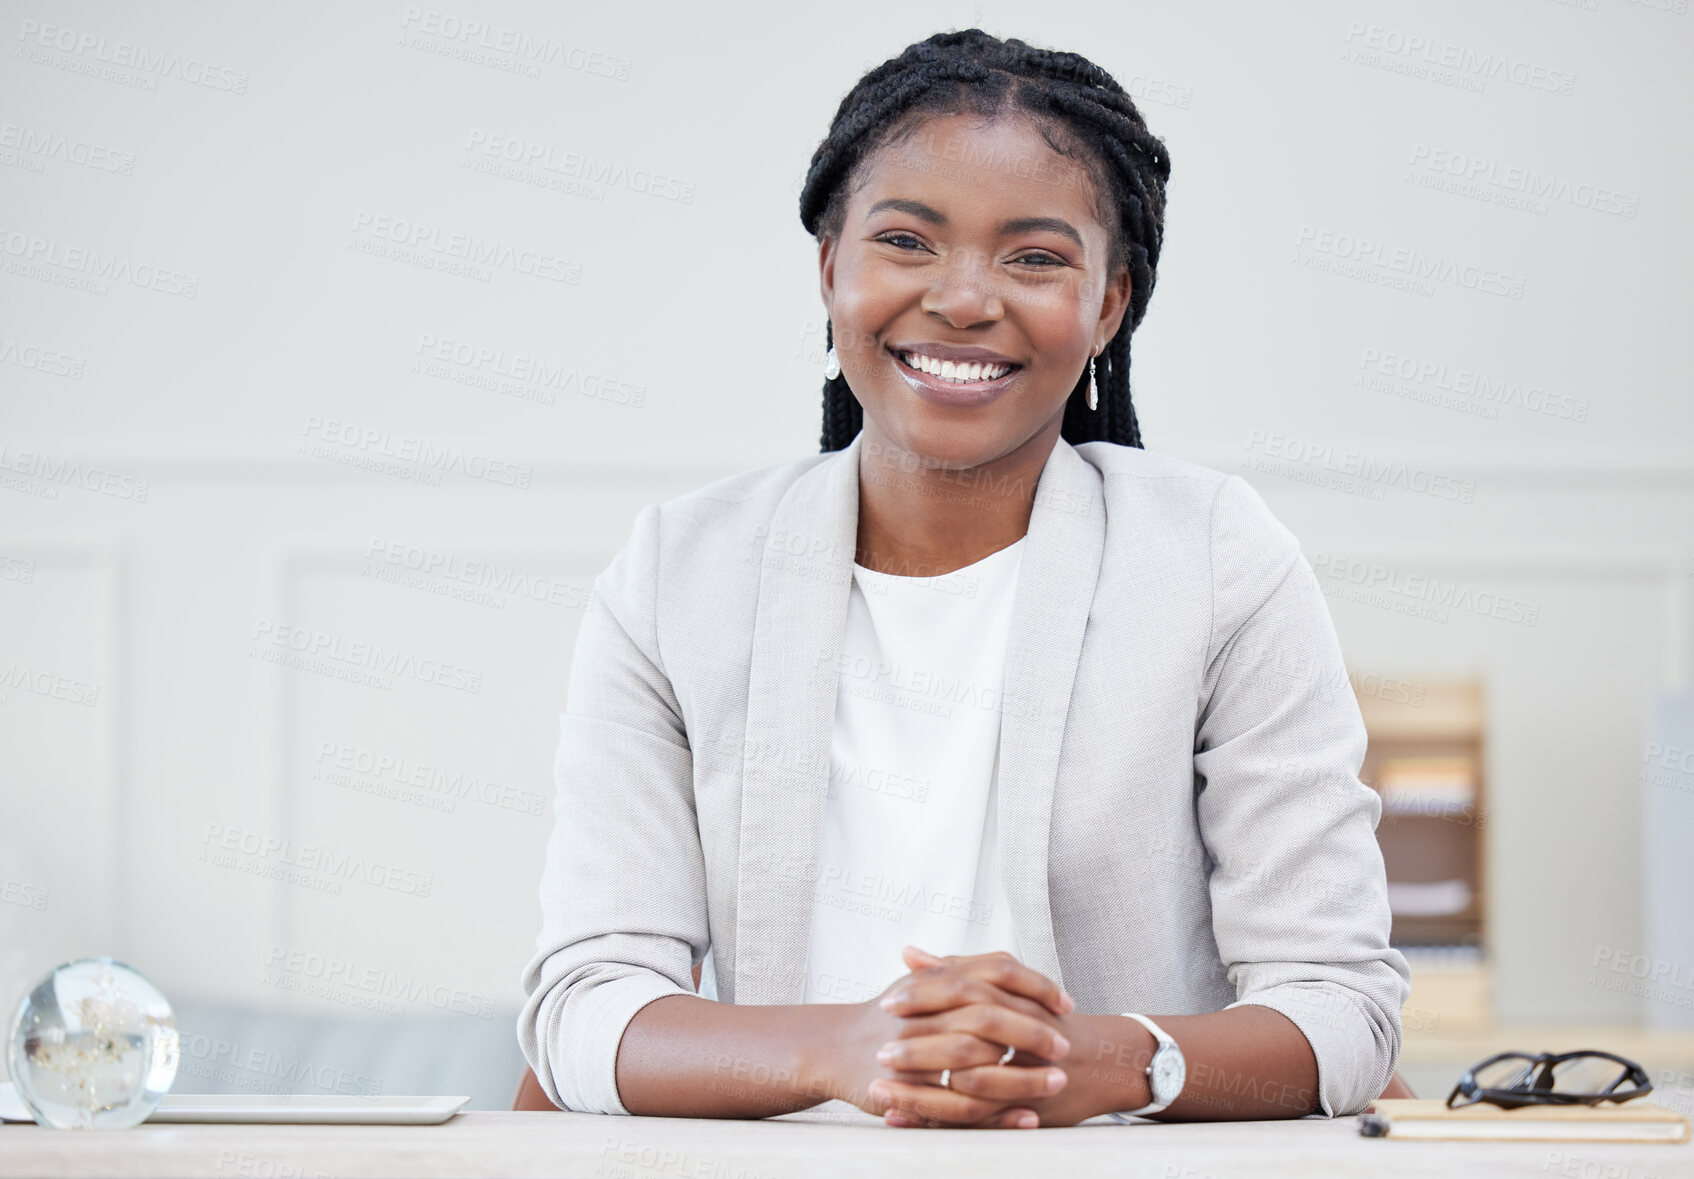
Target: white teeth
column 947, row 370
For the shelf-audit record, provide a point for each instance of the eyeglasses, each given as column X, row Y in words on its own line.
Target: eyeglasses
column 1514, row 1079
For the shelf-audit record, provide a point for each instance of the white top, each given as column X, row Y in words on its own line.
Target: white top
column 910, row 851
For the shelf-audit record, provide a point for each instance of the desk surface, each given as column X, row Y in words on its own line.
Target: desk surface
column 798, row 1146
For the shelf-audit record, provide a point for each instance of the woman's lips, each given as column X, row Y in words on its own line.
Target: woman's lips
column 956, row 393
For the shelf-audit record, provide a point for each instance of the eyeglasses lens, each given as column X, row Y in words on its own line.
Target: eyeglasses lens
column 1586, row 1074
column 1508, row 1073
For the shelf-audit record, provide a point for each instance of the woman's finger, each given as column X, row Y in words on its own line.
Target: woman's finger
column 963, row 1006
column 933, row 1000
column 917, row 959
column 938, row 1050
column 1002, row 970
column 955, row 1050
column 1010, row 1119
column 1002, row 1084
column 925, row 1104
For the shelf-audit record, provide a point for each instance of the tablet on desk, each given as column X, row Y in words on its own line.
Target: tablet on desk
column 306, row 1107
column 299, row 1108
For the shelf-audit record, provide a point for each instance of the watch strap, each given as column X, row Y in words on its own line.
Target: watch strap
column 1164, row 1041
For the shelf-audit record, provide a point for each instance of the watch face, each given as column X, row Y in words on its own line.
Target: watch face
column 1169, row 1074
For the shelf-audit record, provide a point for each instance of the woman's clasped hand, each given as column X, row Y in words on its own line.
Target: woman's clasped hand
column 962, row 1013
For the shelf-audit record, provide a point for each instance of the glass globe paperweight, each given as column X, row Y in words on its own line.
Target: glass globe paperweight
column 93, row 1046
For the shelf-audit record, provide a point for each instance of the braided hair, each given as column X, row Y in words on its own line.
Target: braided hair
column 1083, row 113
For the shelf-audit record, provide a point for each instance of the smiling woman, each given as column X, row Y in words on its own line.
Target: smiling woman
column 940, row 841
column 968, row 240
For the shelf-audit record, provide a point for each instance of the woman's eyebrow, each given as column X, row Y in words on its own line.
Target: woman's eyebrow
column 1017, row 225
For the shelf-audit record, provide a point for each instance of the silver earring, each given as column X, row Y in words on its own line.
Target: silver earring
column 831, row 365
column 1093, row 398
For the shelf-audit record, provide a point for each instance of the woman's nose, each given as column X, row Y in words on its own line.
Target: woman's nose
column 965, row 290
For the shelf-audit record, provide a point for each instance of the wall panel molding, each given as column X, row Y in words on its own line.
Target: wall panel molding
column 279, row 720
column 620, row 461
column 106, row 562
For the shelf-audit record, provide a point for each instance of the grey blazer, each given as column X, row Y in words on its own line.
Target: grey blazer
column 1182, row 826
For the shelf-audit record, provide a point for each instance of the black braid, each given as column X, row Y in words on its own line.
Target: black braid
column 1075, row 102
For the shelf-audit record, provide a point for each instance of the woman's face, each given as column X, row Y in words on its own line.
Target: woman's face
column 969, row 239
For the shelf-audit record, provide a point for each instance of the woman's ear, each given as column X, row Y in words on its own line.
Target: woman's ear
column 1114, row 303
column 826, row 274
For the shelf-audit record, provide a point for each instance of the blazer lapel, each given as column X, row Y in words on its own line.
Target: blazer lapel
column 805, row 576
column 1056, row 580
column 804, row 584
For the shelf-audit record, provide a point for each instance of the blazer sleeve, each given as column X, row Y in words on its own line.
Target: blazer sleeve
column 1299, row 895
column 623, row 892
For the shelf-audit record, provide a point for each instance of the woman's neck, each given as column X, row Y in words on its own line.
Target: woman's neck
column 916, row 514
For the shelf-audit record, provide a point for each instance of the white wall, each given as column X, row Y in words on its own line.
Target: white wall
column 250, row 173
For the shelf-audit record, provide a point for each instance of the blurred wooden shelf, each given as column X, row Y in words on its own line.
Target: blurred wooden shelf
column 1445, row 710
column 1426, row 760
column 1447, row 1001
column 1653, row 1048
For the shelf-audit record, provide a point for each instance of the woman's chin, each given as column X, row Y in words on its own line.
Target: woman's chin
column 951, row 445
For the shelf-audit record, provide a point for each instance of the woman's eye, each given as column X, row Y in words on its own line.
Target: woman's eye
column 1043, row 261
column 893, row 238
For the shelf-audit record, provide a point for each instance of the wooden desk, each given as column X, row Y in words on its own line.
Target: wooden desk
column 799, row 1146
